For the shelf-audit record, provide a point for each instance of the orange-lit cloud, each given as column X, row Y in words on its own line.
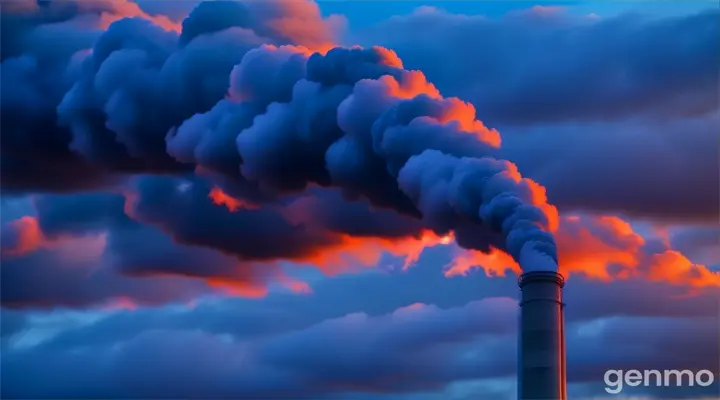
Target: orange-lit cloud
column 414, row 84
column 128, row 9
column 589, row 245
column 389, row 57
column 604, row 248
column 221, row 198
column 30, row 238
column 543, row 12
column 302, row 23
column 239, row 288
column 537, row 194
column 120, row 303
column 295, row 285
column 463, row 114
column 672, row 266
column 413, row 306
column 547, row 10
column 131, row 199
column 495, row 263
column 256, row 286
column 349, row 253
column 306, row 51
column 539, row 199
column 459, row 113
column 352, row 253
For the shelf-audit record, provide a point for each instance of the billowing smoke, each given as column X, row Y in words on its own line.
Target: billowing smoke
column 251, row 93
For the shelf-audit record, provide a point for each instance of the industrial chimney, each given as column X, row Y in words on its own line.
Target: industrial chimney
column 541, row 372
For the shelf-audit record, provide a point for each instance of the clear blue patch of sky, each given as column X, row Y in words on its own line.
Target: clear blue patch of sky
column 364, row 13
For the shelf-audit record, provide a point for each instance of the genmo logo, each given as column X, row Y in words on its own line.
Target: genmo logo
column 615, row 379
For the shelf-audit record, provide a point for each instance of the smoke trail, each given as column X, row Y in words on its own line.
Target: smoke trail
column 280, row 118
column 357, row 120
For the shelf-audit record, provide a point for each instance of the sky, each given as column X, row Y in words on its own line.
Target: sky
column 334, row 200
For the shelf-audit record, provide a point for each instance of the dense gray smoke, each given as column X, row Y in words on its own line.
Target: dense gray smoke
column 270, row 112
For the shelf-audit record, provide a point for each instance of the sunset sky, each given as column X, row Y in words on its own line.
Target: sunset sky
column 333, row 200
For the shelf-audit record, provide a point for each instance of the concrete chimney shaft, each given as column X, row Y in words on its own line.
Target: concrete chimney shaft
column 541, row 371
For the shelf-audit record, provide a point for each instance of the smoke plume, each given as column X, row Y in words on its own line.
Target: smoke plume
column 255, row 95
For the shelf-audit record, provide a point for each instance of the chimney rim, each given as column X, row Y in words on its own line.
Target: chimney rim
column 541, row 276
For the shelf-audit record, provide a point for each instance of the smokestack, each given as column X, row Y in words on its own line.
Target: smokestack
column 541, row 372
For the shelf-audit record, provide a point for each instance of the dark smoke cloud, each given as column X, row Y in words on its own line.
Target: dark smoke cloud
column 142, row 80
column 26, row 25
column 256, row 234
column 82, row 250
column 43, row 45
column 118, row 237
column 296, row 119
column 80, row 214
column 114, row 105
column 34, row 77
column 313, row 226
column 294, row 228
column 468, row 186
column 305, row 141
column 134, row 249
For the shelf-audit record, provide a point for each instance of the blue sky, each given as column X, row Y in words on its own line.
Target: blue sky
column 362, row 13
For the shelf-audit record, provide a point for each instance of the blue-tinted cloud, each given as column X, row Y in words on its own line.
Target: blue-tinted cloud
column 548, row 66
